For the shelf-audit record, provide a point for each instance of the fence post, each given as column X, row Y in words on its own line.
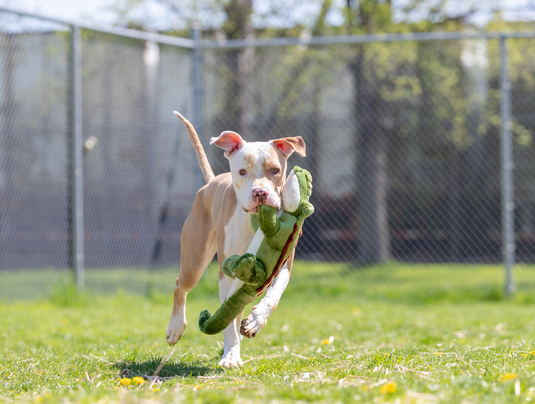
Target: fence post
column 76, row 191
column 507, row 166
column 196, row 35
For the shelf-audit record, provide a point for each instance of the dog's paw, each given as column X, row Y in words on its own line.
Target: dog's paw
column 255, row 321
column 231, row 359
column 175, row 330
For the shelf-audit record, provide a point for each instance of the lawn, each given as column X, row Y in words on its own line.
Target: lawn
column 399, row 333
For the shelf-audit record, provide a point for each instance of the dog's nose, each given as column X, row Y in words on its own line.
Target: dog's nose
column 260, row 194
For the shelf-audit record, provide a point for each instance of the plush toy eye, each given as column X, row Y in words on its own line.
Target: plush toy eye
column 275, row 170
column 243, row 171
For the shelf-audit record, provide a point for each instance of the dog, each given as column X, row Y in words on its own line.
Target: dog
column 220, row 221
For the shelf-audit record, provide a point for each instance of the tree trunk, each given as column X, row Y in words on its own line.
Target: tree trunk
column 372, row 179
column 238, row 66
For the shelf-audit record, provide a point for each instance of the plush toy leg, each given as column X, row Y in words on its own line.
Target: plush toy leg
column 249, row 270
column 228, row 265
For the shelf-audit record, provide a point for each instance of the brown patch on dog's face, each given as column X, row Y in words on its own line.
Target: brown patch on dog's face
column 249, row 161
column 274, row 167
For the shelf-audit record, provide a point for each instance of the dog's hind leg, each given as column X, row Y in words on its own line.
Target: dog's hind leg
column 198, row 246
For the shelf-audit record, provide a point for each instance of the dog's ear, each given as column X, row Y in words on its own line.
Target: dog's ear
column 287, row 145
column 228, row 141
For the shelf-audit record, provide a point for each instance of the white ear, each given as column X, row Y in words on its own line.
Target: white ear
column 229, row 141
column 291, row 194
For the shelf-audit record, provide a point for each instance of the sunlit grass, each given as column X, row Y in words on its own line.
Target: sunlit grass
column 339, row 334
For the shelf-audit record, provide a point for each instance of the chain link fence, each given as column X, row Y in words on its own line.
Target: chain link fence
column 407, row 141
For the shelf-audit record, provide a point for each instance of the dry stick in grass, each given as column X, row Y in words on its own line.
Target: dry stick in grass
column 466, row 363
column 262, row 357
column 100, row 359
column 160, row 366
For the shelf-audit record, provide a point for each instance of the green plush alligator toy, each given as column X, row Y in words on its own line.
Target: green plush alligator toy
column 276, row 236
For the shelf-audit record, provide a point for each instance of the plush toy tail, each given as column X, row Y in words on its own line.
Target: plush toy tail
column 227, row 312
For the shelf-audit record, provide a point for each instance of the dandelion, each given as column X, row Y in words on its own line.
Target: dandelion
column 328, row 341
column 196, row 387
column 506, row 377
column 138, row 380
column 439, row 353
column 125, row 381
column 389, row 388
column 355, row 311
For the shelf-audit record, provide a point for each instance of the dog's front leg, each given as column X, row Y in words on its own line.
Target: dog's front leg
column 231, row 334
column 261, row 312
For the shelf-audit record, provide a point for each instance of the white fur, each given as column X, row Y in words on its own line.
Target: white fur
column 176, row 326
column 255, row 243
column 245, row 185
column 238, row 232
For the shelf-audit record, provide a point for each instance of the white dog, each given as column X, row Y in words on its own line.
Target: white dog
column 220, row 222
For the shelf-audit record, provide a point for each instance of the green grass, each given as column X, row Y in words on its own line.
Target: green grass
column 422, row 283
column 402, row 333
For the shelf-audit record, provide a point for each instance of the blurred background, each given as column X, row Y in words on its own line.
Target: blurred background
column 414, row 114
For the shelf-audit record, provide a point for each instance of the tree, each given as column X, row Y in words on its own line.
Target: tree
column 374, row 112
column 373, row 124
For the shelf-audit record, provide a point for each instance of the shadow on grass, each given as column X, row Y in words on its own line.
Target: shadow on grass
column 172, row 368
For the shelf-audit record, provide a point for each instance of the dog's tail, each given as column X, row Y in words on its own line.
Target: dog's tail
column 199, row 150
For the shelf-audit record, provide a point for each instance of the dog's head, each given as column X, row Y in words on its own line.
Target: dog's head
column 258, row 168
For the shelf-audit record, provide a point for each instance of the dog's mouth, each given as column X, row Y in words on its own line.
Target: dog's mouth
column 255, row 209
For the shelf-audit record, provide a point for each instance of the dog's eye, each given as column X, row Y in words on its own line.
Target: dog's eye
column 243, row 171
column 275, row 170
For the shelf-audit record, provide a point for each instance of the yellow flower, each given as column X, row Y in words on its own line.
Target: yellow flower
column 328, row 341
column 506, row 377
column 439, row 353
column 155, row 390
column 355, row 311
column 389, row 388
column 125, row 381
column 138, row 380
column 532, row 353
column 64, row 321
column 196, row 387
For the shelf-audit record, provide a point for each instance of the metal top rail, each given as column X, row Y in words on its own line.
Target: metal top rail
column 348, row 39
column 109, row 29
column 242, row 43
